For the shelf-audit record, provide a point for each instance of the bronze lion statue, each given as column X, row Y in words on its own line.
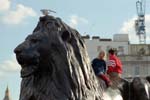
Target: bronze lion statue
column 55, row 64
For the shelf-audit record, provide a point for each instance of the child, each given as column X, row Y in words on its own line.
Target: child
column 99, row 66
column 114, row 67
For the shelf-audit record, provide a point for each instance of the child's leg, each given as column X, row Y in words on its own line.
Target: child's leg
column 105, row 78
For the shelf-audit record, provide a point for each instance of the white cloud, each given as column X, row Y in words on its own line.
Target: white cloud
column 4, row 5
column 128, row 27
column 9, row 66
column 18, row 15
column 75, row 20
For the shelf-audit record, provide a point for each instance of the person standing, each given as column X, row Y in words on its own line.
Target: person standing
column 114, row 67
column 99, row 67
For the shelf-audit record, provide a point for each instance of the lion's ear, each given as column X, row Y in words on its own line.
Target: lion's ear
column 65, row 35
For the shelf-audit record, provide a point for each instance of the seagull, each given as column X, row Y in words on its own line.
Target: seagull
column 47, row 11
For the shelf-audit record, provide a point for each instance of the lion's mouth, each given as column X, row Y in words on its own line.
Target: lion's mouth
column 29, row 66
column 28, row 70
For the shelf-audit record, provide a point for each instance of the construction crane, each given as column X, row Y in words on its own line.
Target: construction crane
column 140, row 21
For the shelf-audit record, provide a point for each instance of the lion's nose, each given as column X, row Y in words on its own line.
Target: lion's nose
column 17, row 50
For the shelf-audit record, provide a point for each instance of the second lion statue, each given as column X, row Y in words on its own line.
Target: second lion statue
column 55, row 64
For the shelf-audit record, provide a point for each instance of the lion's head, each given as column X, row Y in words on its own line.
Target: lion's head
column 36, row 52
column 55, row 64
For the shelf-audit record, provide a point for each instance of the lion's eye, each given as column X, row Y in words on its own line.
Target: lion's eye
column 34, row 40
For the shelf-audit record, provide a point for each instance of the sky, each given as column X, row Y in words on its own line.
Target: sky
column 18, row 18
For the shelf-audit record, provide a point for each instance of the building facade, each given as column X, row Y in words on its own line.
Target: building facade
column 137, row 62
column 96, row 44
column 135, row 57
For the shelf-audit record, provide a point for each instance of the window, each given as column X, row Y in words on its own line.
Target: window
column 108, row 47
column 99, row 48
column 121, row 50
column 137, row 70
